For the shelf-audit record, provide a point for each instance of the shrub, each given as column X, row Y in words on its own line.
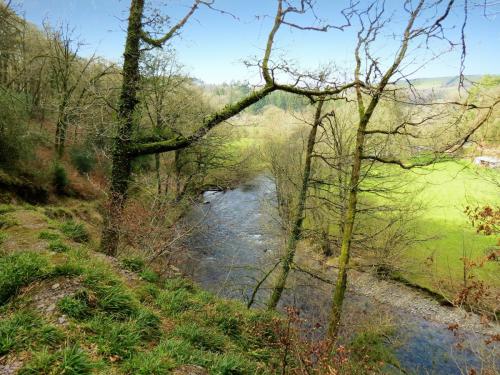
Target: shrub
column 6, row 208
column 75, row 231
column 60, row 179
column 3, row 237
column 148, row 324
column 20, row 269
column 58, row 213
column 370, row 346
column 174, row 303
column 83, row 159
column 232, row 364
column 179, row 283
column 41, row 363
column 7, row 222
column 67, row 269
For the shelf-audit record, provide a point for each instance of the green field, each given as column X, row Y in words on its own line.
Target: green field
column 447, row 188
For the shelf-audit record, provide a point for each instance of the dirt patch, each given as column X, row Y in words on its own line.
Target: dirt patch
column 10, row 364
column 44, row 295
column 190, row 370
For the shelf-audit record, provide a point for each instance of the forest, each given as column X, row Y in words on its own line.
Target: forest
column 328, row 204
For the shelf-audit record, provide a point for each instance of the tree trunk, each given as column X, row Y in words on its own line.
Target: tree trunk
column 121, row 171
column 61, row 128
column 158, row 176
column 347, row 230
column 295, row 233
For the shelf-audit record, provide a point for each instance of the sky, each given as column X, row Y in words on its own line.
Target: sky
column 213, row 46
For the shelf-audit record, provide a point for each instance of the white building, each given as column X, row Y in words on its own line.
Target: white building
column 487, row 161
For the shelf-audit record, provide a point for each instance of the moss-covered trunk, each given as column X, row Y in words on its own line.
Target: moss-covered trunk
column 345, row 249
column 294, row 236
column 120, row 175
column 61, row 127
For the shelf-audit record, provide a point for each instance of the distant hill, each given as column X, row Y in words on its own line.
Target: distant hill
column 445, row 82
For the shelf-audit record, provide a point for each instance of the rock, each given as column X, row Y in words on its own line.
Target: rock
column 51, row 307
column 55, row 286
column 62, row 319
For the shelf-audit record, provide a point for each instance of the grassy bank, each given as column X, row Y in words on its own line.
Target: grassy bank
column 66, row 309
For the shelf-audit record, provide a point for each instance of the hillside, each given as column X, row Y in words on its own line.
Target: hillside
column 66, row 309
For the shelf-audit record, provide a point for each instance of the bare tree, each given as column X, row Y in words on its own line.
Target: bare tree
column 298, row 216
column 70, row 78
column 126, row 148
column 425, row 23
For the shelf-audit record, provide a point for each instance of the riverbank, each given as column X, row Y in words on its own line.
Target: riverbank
column 237, row 239
column 401, row 296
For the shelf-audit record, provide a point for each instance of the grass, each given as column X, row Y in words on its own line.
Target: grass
column 117, row 328
column 26, row 329
column 448, row 188
column 58, row 246
column 75, row 231
column 49, row 236
column 71, row 360
column 18, row 270
column 3, row 237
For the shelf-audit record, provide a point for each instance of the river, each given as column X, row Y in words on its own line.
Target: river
column 237, row 236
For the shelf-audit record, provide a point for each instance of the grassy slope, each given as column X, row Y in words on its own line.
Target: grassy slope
column 66, row 309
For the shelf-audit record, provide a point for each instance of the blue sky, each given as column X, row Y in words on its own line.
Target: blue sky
column 212, row 46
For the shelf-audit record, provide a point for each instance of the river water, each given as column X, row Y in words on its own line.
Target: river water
column 237, row 238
